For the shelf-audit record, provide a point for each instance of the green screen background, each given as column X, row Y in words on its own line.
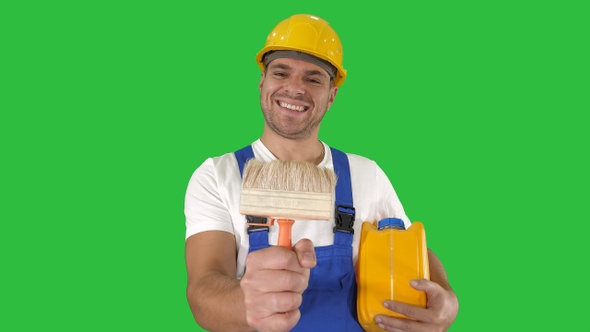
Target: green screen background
column 474, row 109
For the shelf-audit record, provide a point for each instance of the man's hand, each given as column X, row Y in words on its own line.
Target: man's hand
column 273, row 284
column 440, row 312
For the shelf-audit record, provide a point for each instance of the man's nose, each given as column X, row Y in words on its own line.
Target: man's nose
column 295, row 87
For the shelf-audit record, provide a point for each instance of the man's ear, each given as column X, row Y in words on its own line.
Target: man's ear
column 333, row 93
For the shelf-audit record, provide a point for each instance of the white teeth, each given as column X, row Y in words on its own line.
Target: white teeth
column 292, row 107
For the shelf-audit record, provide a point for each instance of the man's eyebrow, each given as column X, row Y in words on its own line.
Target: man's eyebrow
column 278, row 66
column 315, row 72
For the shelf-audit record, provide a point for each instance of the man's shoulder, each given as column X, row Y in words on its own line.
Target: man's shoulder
column 358, row 161
column 224, row 158
column 214, row 164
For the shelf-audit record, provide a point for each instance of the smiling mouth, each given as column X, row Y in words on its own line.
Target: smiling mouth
column 293, row 107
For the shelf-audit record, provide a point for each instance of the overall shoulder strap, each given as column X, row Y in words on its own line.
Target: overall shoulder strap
column 243, row 155
column 344, row 209
column 343, row 185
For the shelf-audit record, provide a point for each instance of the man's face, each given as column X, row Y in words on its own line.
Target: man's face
column 294, row 96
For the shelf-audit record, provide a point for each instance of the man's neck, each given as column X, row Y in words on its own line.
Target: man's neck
column 308, row 149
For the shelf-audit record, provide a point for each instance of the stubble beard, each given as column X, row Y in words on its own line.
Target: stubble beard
column 284, row 131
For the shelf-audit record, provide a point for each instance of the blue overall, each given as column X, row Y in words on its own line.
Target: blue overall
column 329, row 303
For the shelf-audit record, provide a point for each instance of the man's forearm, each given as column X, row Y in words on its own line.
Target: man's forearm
column 217, row 303
column 437, row 271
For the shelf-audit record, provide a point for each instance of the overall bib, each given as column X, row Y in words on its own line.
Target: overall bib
column 329, row 302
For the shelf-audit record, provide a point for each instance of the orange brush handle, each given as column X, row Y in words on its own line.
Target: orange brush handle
column 285, row 226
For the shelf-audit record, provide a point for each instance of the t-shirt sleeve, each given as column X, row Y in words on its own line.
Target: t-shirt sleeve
column 387, row 203
column 204, row 208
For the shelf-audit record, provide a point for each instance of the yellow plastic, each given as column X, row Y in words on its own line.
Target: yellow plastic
column 388, row 260
column 309, row 34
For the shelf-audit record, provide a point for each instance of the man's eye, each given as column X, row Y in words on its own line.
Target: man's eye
column 280, row 74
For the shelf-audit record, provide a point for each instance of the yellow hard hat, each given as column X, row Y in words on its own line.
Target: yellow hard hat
column 308, row 34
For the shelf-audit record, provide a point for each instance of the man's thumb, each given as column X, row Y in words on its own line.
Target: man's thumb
column 305, row 253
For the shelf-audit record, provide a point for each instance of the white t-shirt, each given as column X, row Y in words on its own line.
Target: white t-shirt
column 212, row 201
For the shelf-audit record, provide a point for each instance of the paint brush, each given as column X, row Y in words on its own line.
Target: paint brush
column 286, row 190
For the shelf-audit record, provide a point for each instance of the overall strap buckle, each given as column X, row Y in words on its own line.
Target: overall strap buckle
column 257, row 224
column 344, row 218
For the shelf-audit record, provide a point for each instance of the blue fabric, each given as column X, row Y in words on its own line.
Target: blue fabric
column 243, row 155
column 258, row 240
column 329, row 303
column 343, row 185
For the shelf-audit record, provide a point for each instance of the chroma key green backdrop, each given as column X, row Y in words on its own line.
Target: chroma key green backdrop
column 474, row 109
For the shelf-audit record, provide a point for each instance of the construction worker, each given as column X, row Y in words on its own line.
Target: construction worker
column 238, row 279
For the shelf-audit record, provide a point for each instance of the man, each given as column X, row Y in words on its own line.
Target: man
column 312, row 287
